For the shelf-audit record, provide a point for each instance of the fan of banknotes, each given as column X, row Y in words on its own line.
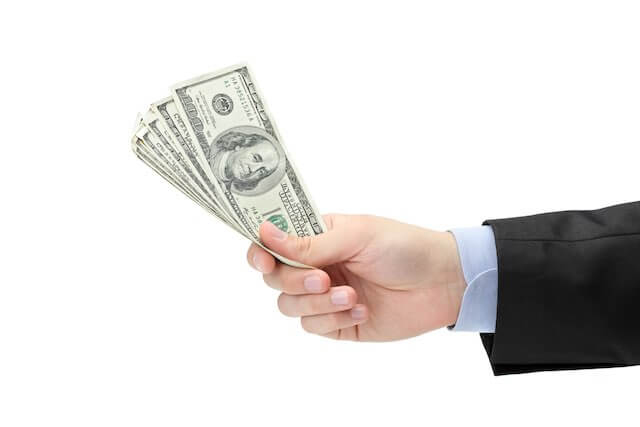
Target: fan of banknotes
column 215, row 140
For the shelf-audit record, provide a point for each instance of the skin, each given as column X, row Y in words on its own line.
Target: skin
column 249, row 163
column 377, row 279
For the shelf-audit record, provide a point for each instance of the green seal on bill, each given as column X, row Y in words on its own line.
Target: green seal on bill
column 279, row 221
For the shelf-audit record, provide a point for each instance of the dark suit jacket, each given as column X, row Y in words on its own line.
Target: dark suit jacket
column 568, row 291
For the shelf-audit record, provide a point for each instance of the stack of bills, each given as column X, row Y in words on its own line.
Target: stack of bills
column 215, row 140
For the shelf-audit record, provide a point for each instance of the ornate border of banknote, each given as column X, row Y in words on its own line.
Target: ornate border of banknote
column 215, row 140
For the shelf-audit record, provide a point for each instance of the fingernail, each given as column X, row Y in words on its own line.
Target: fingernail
column 313, row 283
column 340, row 298
column 275, row 232
column 358, row 313
column 257, row 264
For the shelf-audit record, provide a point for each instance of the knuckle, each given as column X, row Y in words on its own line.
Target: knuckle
column 313, row 304
column 330, row 220
column 303, row 246
column 307, row 325
column 289, row 284
column 330, row 323
column 334, row 321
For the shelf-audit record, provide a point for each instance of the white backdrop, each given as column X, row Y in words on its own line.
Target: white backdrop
column 123, row 303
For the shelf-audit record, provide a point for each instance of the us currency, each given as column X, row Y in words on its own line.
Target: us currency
column 145, row 153
column 239, row 147
column 177, row 131
column 154, row 124
column 152, row 147
column 175, row 154
column 160, row 153
column 147, row 156
column 142, row 147
column 215, row 142
column 144, row 150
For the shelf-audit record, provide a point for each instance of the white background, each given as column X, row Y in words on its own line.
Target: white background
column 123, row 303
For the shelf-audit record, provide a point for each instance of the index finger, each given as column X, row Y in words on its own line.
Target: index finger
column 260, row 259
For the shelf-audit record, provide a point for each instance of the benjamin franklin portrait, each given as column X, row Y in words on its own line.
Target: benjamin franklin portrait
column 248, row 160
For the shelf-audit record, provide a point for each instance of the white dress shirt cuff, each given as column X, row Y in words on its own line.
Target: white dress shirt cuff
column 477, row 250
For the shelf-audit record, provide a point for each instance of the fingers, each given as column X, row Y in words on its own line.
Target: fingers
column 260, row 259
column 324, row 324
column 307, row 293
column 297, row 281
column 339, row 298
column 292, row 281
column 337, row 244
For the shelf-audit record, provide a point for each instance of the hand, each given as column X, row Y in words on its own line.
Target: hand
column 377, row 279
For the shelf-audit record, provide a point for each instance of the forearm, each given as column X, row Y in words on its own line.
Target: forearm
column 568, row 290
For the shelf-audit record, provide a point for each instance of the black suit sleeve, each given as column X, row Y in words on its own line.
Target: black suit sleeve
column 568, row 291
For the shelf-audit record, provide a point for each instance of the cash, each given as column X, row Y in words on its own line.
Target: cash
column 215, row 140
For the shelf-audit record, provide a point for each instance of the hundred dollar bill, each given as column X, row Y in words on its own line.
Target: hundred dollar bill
column 142, row 147
column 237, row 140
column 145, row 145
column 159, row 151
column 156, row 125
column 147, row 156
column 177, row 130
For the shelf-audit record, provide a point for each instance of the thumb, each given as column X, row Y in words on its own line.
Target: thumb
column 318, row 251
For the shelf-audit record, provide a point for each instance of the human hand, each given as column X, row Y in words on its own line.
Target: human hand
column 376, row 279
